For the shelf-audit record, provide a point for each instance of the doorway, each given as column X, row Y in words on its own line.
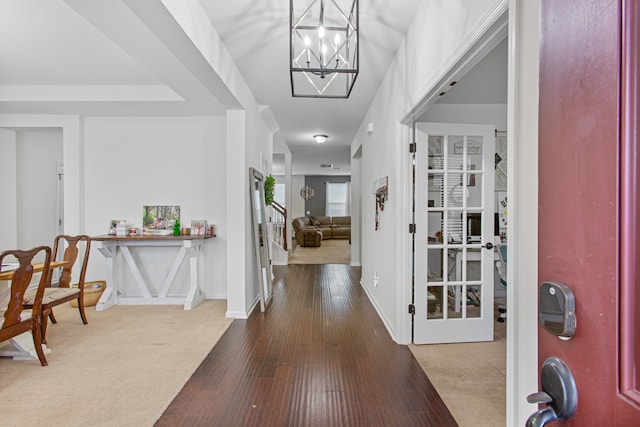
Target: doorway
column 34, row 182
column 480, row 96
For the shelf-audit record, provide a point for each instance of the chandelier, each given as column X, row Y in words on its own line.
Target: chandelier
column 324, row 39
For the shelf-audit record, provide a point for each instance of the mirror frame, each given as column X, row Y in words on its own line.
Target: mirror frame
column 263, row 259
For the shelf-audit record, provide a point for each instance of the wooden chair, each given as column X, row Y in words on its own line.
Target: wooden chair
column 64, row 292
column 16, row 321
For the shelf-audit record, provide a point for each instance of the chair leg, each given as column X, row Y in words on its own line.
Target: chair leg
column 81, row 310
column 37, row 343
column 43, row 325
column 52, row 317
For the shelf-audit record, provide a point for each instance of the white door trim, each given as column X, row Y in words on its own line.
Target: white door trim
column 522, row 193
column 403, row 238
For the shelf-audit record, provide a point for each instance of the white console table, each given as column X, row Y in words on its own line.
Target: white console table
column 190, row 247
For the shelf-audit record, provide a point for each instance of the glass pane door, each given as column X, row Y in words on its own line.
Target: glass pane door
column 454, row 219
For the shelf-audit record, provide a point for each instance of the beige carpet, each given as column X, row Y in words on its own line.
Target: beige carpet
column 333, row 251
column 122, row 369
column 470, row 378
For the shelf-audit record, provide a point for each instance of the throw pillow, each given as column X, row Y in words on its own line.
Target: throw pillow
column 314, row 221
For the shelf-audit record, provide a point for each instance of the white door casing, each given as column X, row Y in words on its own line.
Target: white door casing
column 454, row 216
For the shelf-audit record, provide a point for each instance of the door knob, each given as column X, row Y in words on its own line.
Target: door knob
column 489, row 245
column 559, row 392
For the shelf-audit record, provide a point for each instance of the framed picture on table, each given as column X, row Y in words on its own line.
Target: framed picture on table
column 160, row 218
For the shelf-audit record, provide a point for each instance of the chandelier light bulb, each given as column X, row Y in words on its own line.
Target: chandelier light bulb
column 321, row 32
column 337, row 39
column 307, row 41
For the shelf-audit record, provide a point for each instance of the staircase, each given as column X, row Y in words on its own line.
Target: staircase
column 279, row 252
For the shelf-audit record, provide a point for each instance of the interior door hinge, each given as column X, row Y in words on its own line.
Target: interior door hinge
column 412, row 228
column 412, row 309
column 413, row 147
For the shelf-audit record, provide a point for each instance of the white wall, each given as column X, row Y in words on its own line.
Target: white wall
column 259, row 146
column 356, row 206
column 8, row 177
column 132, row 162
column 297, row 204
column 248, row 141
column 430, row 48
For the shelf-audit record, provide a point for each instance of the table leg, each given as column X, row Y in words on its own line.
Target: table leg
column 168, row 281
column 109, row 295
column 195, row 295
column 21, row 348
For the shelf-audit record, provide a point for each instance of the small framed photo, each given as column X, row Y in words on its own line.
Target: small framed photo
column 114, row 224
column 198, row 227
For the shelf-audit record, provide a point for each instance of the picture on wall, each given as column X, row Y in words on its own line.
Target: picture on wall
column 156, row 218
column 381, row 190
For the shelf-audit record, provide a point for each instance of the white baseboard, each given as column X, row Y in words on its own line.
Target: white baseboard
column 214, row 296
column 242, row 314
column 379, row 311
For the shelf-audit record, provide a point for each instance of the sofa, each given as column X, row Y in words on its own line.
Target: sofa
column 312, row 230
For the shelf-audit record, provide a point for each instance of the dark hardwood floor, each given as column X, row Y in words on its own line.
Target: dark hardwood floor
column 319, row 356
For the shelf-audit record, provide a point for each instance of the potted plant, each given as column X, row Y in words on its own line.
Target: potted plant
column 269, row 185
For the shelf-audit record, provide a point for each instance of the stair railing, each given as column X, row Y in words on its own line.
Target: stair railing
column 279, row 225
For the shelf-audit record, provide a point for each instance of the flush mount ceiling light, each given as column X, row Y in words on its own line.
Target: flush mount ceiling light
column 323, row 43
column 320, row 139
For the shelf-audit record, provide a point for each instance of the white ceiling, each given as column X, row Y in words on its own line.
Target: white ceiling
column 256, row 34
column 125, row 57
column 91, row 58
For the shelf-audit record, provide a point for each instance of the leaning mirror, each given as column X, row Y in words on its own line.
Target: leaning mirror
column 260, row 236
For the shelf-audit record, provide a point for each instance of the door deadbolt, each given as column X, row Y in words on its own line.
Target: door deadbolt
column 559, row 393
column 557, row 309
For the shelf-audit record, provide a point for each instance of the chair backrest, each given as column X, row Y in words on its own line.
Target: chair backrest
column 20, row 282
column 73, row 247
column 299, row 223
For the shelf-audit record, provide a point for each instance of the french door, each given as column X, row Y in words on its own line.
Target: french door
column 454, row 233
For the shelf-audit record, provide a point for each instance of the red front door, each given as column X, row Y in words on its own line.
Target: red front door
column 588, row 212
